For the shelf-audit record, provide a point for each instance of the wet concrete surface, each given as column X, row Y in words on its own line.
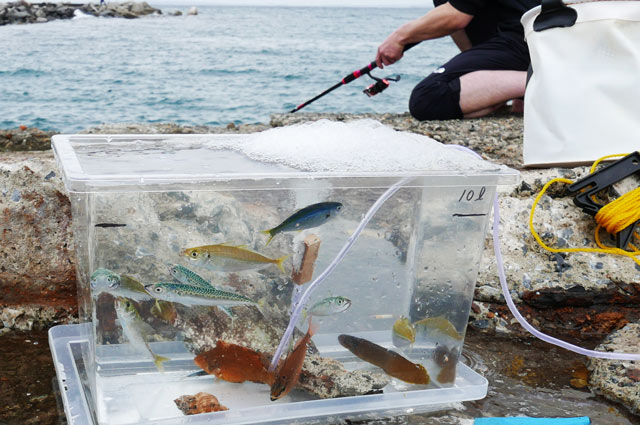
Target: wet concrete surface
column 532, row 378
column 526, row 377
column 27, row 379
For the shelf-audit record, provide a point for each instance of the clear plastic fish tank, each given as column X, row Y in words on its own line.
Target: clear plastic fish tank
column 260, row 214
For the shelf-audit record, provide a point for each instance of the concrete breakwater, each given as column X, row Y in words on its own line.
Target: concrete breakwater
column 574, row 296
column 577, row 295
column 22, row 12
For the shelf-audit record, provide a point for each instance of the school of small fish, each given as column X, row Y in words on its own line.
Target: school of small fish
column 235, row 363
column 404, row 332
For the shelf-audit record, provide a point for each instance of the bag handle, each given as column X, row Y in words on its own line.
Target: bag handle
column 554, row 14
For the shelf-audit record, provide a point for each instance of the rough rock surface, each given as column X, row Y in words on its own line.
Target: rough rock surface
column 580, row 295
column 25, row 139
column 22, row 12
column 170, row 128
column 576, row 295
column 37, row 265
column 619, row 380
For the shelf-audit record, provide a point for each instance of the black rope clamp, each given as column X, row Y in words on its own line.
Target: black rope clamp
column 589, row 186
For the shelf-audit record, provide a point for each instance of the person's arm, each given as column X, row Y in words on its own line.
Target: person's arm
column 438, row 22
column 461, row 39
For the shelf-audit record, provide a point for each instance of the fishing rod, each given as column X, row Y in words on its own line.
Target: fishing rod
column 375, row 88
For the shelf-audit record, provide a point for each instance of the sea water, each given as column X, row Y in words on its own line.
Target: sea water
column 227, row 64
column 139, row 202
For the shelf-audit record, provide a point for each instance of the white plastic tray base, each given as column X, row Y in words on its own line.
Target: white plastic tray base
column 140, row 394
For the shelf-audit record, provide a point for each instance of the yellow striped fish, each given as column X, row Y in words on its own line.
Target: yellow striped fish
column 230, row 258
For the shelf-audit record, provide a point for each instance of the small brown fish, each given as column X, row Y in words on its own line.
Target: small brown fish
column 288, row 374
column 447, row 374
column 391, row 362
column 235, row 363
column 447, row 359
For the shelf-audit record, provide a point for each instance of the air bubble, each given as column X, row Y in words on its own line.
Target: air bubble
column 357, row 146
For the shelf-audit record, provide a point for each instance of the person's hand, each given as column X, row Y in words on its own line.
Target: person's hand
column 389, row 52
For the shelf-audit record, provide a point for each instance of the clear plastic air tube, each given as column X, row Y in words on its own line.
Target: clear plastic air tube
column 301, row 302
column 613, row 355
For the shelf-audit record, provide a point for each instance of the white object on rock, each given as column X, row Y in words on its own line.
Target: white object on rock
column 193, row 11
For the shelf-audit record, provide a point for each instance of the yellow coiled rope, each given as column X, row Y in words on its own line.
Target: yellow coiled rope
column 613, row 217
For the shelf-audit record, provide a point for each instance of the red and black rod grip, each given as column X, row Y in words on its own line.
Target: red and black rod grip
column 365, row 70
column 358, row 73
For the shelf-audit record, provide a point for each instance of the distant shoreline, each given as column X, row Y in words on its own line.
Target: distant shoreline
column 22, row 12
column 355, row 4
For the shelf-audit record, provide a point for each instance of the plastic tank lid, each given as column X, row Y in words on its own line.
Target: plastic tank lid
column 321, row 149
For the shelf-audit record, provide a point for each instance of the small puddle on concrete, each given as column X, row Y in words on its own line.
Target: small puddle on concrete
column 533, row 378
column 526, row 378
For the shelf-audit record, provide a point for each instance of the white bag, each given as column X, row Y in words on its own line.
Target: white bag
column 582, row 100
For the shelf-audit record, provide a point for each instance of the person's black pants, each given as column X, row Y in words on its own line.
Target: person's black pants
column 437, row 97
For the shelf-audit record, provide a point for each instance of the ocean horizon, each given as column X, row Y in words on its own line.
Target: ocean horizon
column 228, row 64
column 296, row 3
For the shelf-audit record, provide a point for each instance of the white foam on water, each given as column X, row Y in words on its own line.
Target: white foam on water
column 79, row 14
column 357, row 146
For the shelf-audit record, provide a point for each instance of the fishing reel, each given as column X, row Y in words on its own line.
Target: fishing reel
column 380, row 85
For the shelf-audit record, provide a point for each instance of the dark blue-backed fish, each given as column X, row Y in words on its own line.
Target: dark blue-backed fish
column 306, row 218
